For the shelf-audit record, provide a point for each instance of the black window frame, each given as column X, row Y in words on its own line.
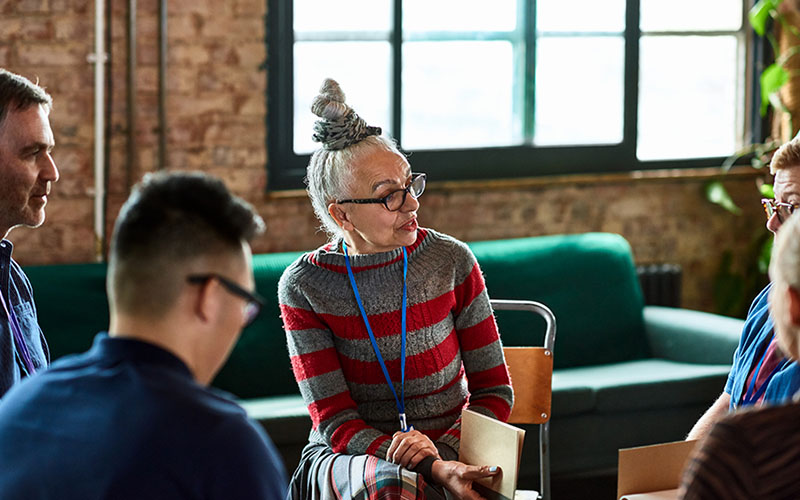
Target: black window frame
column 286, row 169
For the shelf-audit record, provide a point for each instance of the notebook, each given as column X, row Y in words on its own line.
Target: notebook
column 487, row 441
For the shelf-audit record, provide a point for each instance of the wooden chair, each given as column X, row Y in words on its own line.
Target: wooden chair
column 531, row 371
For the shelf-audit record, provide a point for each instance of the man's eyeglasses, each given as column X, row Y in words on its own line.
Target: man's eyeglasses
column 254, row 301
column 396, row 199
column 783, row 210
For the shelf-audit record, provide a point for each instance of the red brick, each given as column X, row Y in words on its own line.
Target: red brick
column 32, row 6
column 75, row 28
column 62, row 54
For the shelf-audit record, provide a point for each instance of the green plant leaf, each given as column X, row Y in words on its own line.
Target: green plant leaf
column 772, row 79
column 716, row 193
column 766, row 190
column 758, row 16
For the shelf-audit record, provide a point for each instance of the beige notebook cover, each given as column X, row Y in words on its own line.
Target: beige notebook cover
column 652, row 470
column 486, row 441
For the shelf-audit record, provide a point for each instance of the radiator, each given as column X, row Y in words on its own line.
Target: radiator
column 661, row 284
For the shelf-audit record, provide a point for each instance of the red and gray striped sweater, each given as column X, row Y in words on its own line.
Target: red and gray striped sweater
column 454, row 358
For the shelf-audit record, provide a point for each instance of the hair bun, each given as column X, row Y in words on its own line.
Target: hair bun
column 339, row 126
column 329, row 104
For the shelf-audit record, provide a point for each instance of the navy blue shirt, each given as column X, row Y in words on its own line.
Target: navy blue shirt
column 126, row 420
column 756, row 334
column 18, row 295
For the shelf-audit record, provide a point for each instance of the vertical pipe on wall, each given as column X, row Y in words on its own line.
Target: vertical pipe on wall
column 131, row 96
column 99, row 59
column 162, row 84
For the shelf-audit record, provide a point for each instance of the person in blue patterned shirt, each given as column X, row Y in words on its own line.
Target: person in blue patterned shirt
column 27, row 173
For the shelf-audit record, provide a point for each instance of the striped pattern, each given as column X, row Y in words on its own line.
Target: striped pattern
column 754, row 453
column 454, row 356
column 325, row 475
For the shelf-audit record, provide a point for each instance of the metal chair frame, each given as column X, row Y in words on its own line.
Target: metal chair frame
column 549, row 342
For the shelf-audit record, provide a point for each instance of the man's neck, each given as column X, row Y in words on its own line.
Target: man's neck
column 160, row 333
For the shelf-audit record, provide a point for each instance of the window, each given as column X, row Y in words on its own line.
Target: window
column 514, row 88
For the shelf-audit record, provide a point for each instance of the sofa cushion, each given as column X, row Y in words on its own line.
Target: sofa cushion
column 639, row 385
column 587, row 280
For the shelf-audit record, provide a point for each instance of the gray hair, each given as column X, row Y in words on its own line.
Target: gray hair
column 329, row 176
column 345, row 138
column 17, row 93
column 785, row 262
column 788, row 155
column 784, row 268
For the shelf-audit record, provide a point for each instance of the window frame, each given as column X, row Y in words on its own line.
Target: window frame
column 286, row 169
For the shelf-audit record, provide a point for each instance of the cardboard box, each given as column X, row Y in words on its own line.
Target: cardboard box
column 652, row 472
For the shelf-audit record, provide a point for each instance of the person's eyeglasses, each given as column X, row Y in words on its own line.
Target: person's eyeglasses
column 783, row 210
column 396, row 199
column 254, row 302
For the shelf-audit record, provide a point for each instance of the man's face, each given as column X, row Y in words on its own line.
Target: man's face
column 787, row 190
column 27, row 170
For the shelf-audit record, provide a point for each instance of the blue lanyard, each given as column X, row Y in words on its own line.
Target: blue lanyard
column 401, row 406
column 748, row 398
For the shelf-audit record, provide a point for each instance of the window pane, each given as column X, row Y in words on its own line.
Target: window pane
column 690, row 15
column 458, row 94
column 366, row 91
column 580, row 16
column 688, row 97
column 459, row 15
column 342, row 15
column 579, row 90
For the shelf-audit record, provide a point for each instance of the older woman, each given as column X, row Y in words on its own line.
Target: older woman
column 755, row 453
column 389, row 327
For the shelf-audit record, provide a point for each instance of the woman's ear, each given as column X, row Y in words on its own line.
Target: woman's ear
column 340, row 216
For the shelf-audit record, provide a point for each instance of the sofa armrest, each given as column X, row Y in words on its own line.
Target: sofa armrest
column 691, row 336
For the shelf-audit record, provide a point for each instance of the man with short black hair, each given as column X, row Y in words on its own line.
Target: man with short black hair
column 133, row 418
column 27, row 172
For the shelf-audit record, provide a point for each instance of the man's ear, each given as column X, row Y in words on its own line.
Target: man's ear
column 340, row 216
column 794, row 305
column 206, row 304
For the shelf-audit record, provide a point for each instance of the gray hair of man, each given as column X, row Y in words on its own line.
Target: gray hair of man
column 784, row 271
column 345, row 139
column 17, row 93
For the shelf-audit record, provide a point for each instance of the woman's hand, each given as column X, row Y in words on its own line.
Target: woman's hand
column 408, row 448
column 458, row 477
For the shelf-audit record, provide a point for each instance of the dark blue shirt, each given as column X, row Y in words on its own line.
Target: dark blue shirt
column 126, row 420
column 756, row 334
column 18, row 294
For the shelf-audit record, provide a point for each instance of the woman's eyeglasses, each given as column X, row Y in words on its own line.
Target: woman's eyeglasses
column 783, row 210
column 254, row 302
column 396, row 199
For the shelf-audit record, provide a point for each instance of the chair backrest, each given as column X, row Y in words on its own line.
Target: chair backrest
column 530, row 368
column 531, row 371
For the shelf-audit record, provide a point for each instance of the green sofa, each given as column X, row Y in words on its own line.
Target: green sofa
column 626, row 374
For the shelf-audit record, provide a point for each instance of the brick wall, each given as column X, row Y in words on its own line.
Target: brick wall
column 216, row 122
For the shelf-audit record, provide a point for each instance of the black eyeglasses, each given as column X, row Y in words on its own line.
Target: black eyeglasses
column 396, row 199
column 254, row 301
column 783, row 210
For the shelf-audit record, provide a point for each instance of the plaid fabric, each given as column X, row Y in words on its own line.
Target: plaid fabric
column 369, row 478
column 324, row 474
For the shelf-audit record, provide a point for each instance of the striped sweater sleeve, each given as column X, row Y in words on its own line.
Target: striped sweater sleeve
column 481, row 350
column 318, row 372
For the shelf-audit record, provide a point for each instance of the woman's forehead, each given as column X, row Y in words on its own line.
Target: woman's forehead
column 381, row 167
